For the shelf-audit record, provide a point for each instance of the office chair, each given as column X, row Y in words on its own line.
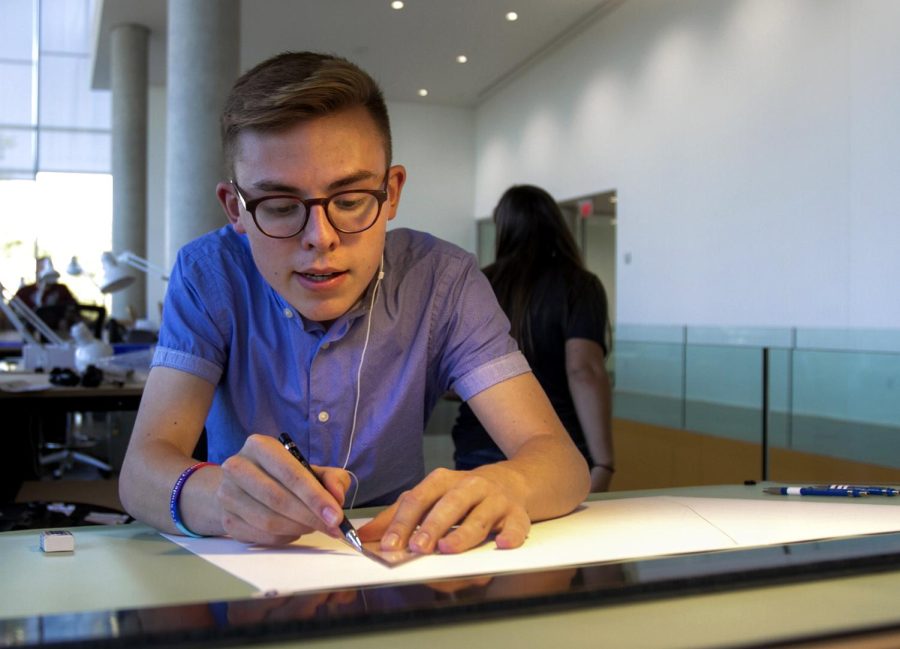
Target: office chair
column 74, row 444
column 57, row 317
column 61, row 317
column 66, row 453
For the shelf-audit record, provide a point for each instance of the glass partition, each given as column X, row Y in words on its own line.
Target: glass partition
column 649, row 374
column 846, row 404
column 723, row 393
column 833, row 393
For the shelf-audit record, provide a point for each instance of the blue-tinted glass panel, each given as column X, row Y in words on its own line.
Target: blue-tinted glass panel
column 740, row 336
column 724, row 391
column 16, row 98
column 16, row 153
column 67, row 100
column 65, row 26
column 650, row 333
column 874, row 340
column 780, row 396
column 847, row 405
column 831, row 393
column 649, row 382
column 74, row 151
column 16, row 29
column 848, row 386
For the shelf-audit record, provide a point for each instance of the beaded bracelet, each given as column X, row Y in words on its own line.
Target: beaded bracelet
column 174, row 509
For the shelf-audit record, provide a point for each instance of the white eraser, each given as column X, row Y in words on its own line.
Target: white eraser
column 57, row 541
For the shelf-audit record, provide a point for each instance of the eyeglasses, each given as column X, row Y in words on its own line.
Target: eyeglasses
column 282, row 216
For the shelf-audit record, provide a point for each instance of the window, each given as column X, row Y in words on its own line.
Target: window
column 55, row 144
column 50, row 119
column 60, row 215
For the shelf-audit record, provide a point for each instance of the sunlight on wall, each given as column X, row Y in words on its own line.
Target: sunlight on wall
column 61, row 215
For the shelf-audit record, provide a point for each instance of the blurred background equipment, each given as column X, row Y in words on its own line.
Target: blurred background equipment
column 116, row 278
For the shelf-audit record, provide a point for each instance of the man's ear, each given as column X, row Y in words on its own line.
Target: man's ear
column 227, row 195
column 396, row 180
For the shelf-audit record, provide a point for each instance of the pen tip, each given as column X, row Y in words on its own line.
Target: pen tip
column 353, row 539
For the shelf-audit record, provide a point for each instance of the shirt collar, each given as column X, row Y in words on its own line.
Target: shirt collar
column 359, row 309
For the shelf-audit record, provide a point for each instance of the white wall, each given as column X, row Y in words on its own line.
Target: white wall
column 753, row 145
column 436, row 144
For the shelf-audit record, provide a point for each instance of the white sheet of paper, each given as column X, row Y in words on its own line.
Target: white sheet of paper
column 603, row 530
column 24, row 382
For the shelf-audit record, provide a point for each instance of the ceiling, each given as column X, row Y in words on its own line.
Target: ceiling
column 415, row 47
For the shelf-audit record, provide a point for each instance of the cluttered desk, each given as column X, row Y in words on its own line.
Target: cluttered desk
column 33, row 392
column 691, row 567
column 46, row 378
column 30, row 405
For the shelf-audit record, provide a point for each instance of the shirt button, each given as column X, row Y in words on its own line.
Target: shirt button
column 323, row 416
column 288, row 313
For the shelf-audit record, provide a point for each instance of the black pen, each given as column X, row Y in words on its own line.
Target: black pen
column 345, row 526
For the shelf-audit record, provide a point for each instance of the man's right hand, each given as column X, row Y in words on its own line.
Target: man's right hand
column 261, row 495
column 268, row 497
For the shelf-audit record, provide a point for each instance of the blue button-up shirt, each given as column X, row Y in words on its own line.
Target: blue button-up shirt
column 435, row 326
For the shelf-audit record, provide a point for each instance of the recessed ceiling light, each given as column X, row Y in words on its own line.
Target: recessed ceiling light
column 423, row 92
column 397, row 4
column 511, row 16
column 462, row 58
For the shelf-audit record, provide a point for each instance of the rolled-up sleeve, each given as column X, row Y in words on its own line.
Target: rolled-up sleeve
column 478, row 351
column 491, row 373
column 193, row 336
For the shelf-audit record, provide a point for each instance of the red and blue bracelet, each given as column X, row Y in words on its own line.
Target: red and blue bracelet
column 174, row 508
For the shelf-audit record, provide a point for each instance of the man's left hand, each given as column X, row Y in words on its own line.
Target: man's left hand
column 451, row 511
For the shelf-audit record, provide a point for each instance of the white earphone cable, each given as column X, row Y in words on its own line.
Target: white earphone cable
column 362, row 358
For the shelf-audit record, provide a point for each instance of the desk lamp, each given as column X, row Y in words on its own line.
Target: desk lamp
column 16, row 310
column 74, row 268
column 57, row 353
column 115, row 278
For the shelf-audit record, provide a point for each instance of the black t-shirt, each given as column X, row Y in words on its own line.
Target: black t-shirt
column 564, row 312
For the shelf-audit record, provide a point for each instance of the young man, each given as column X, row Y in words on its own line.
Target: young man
column 305, row 316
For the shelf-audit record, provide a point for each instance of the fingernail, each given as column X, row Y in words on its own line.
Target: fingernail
column 331, row 517
column 391, row 541
column 420, row 540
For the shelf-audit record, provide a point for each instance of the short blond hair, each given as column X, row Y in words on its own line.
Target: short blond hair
column 297, row 86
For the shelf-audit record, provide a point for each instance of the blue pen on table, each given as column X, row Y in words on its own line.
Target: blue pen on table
column 869, row 491
column 345, row 525
column 814, row 491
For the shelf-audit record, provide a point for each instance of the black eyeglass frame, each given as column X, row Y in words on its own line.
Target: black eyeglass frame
column 380, row 195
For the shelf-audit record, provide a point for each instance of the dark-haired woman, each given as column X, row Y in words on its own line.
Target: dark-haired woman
column 558, row 314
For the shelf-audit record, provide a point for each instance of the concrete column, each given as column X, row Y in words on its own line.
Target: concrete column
column 203, row 63
column 128, row 74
